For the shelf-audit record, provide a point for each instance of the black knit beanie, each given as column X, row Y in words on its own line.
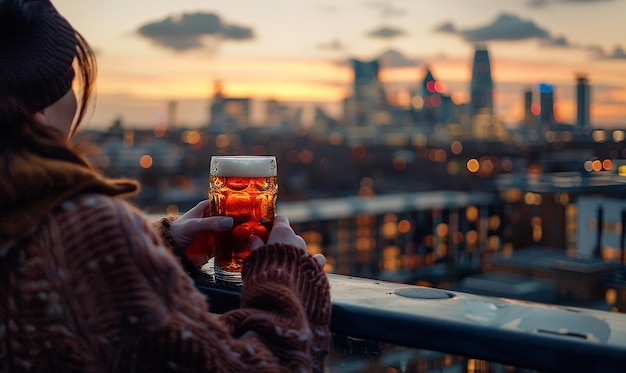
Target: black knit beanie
column 37, row 48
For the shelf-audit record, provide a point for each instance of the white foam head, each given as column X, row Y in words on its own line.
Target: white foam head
column 243, row 165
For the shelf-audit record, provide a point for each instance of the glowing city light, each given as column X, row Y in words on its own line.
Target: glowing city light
column 471, row 213
column 145, row 161
column 399, row 164
column 417, row 102
column 191, row 137
column 596, row 165
column 599, row 135
column 222, row 141
column 430, row 86
column 473, row 165
column 404, row 226
column 456, row 147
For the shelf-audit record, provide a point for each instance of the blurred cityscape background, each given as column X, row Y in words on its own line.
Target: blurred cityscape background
column 477, row 146
column 435, row 193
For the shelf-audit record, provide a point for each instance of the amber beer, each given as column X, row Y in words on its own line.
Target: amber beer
column 244, row 188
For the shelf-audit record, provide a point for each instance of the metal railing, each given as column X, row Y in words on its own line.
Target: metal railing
column 445, row 328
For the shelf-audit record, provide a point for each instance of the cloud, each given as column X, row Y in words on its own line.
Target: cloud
column 537, row 3
column 544, row 3
column 618, row 53
column 509, row 27
column 386, row 32
column 597, row 51
column 394, row 58
column 387, row 59
column 447, row 27
column 505, row 27
column 386, row 9
column 557, row 41
column 190, row 31
column 333, row 45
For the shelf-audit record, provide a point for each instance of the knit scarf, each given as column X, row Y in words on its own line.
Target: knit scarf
column 31, row 186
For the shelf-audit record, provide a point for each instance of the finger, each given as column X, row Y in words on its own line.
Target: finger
column 198, row 210
column 281, row 233
column 256, row 242
column 287, row 236
column 299, row 242
column 215, row 223
column 281, row 230
column 185, row 231
column 281, row 221
column 321, row 259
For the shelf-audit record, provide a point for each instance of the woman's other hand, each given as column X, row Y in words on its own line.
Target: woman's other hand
column 283, row 233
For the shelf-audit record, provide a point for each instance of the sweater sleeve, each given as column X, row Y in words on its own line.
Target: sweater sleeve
column 163, row 322
column 284, row 281
column 163, row 227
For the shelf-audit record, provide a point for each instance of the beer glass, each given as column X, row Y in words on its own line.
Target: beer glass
column 244, row 188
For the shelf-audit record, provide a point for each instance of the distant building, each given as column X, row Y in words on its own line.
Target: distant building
column 436, row 106
column 274, row 113
column 546, row 101
column 481, row 86
column 399, row 236
column 368, row 97
column 172, row 114
column 228, row 113
column 583, row 101
column 481, row 115
column 322, row 122
column 528, row 109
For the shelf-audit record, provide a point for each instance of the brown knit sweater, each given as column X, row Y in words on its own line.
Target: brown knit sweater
column 91, row 287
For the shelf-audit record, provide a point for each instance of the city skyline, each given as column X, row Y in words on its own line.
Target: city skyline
column 299, row 52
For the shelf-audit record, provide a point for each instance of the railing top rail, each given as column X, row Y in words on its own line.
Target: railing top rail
column 525, row 334
column 337, row 208
column 538, row 336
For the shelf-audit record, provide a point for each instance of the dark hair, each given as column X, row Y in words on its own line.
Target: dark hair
column 19, row 129
column 86, row 66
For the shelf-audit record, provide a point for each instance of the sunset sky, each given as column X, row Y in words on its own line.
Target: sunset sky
column 154, row 51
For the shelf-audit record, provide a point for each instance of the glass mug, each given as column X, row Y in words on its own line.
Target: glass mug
column 244, row 188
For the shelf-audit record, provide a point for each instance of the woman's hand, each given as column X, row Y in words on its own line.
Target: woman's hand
column 185, row 229
column 283, row 233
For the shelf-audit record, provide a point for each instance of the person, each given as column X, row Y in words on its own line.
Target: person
column 87, row 282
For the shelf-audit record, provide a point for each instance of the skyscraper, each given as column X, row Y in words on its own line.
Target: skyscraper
column 172, row 113
column 368, row 94
column 583, row 101
column 437, row 107
column 431, row 94
column 546, row 100
column 481, row 86
column 530, row 112
column 528, row 108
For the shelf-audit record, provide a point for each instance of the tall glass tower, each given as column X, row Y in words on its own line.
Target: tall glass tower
column 369, row 95
column 481, row 86
column 546, row 100
column 583, row 97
